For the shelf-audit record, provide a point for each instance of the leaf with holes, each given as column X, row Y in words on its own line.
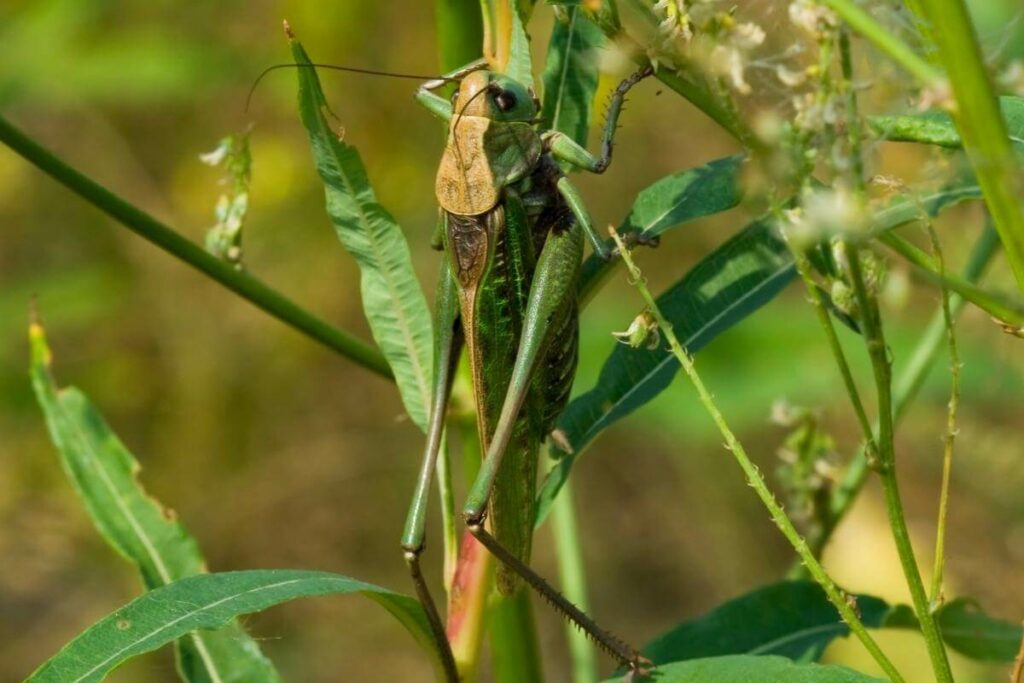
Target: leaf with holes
column 204, row 602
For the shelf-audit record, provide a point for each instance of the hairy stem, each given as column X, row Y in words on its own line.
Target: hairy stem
column 950, row 436
column 878, row 351
column 837, row 597
column 147, row 227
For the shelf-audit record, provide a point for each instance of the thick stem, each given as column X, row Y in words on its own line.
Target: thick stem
column 515, row 651
column 874, row 338
column 147, row 227
column 573, row 576
column 837, row 597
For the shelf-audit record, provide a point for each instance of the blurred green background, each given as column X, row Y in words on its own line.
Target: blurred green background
column 277, row 453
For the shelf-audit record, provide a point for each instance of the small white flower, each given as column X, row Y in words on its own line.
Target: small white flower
column 789, row 77
column 812, row 17
column 747, row 36
column 728, row 61
column 216, row 156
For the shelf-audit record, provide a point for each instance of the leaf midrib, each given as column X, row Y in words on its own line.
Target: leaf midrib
column 170, row 624
column 79, row 435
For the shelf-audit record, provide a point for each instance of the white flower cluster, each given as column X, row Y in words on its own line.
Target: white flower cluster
column 825, row 214
column 813, row 18
column 705, row 35
column 729, row 57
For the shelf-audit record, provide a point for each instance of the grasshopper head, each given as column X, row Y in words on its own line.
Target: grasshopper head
column 495, row 96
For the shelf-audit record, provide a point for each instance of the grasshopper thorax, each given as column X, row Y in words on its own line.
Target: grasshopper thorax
column 492, row 143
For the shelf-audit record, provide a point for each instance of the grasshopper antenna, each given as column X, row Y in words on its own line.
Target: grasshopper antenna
column 336, row 67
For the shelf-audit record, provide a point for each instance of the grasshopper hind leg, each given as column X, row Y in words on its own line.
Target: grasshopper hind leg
column 446, row 354
column 552, row 288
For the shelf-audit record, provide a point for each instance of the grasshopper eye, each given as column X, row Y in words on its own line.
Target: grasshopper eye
column 505, row 100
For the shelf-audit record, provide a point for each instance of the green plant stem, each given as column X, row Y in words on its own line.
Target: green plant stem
column 907, row 386
column 515, row 651
column 950, row 437
column 1005, row 310
column 874, row 338
column 854, row 133
column 147, row 227
column 803, row 267
column 836, row 596
column 573, row 577
column 864, row 24
column 980, row 122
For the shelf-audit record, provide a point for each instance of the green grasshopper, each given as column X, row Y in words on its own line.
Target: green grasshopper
column 512, row 228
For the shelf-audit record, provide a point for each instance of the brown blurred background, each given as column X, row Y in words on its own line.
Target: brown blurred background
column 277, row 453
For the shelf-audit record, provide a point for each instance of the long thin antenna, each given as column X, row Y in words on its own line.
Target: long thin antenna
column 335, row 67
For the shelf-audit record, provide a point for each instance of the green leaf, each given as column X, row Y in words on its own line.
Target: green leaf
column 204, row 602
column 460, row 32
column 674, row 200
column 937, row 128
column 752, row 669
column 571, row 75
column 392, row 298
column 725, row 287
column 520, row 66
column 104, row 474
column 682, row 196
column 793, row 619
column 968, row 630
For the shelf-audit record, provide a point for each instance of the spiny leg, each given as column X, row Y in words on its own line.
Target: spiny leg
column 554, row 280
column 446, row 354
column 565, row 148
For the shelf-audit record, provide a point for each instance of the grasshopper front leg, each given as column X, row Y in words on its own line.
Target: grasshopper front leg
column 564, row 148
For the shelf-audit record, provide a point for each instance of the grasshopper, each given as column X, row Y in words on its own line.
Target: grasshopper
column 512, row 229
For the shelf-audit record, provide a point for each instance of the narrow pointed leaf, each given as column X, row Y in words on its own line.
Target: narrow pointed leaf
column 571, row 75
column 937, row 127
column 105, row 476
column 726, row 286
column 520, row 66
column 748, row 669
column 392, row 298
column 968, row 630
column 204, row 602
column 793, row 619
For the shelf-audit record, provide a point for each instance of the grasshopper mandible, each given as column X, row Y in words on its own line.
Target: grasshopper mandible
column 512, row 227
